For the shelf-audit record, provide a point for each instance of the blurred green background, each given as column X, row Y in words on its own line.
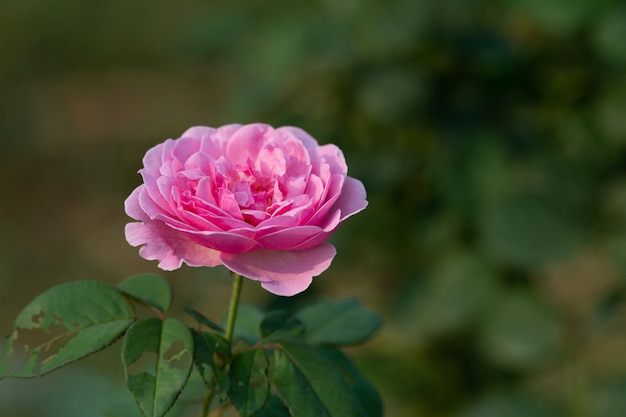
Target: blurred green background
column 490, row 135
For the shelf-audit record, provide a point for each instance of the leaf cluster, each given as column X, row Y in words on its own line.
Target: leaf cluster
column 278, row 363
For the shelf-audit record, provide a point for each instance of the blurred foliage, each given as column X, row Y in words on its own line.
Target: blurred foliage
column 490, row 136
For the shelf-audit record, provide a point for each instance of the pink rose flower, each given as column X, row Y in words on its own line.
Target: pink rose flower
column 260, row 201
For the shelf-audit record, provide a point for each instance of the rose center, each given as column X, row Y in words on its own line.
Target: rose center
column 253, row 191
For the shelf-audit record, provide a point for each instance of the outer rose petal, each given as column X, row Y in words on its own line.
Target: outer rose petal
column 168, row 246
column 352, row 198
column 307, row 140
column 282, row 272
column 198, row 132
column 131, row 205
column 292, row 287
column 289, row 238
column 228, row 242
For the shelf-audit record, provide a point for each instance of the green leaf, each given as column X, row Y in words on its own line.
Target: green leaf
column 366, row 392
column 310, row 385
column 151, row 289
column 273, row 407
column 157, row 357
column 338, row 322
column 249, row 387
column 64, row 324
column 211, row 354
column 279, row 325
column 203, row 320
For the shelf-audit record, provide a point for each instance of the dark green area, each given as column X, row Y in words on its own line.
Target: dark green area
column 490, row 136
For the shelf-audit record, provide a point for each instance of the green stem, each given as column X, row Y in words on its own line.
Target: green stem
column 206, row 404
column 230, row 329
column 234, row 304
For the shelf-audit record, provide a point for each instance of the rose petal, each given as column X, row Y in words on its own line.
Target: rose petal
column 352, row 198
column 223, row 220
column 333, row 191
column 198, row 162
column 295, row 132
column 153, row 159
column 333, row 156
column 328, row 227
column 131, row 205
column 282, row 272
column 198, row 132
column 185, row 147
column 299, row 160
column 314, row 240
column 315, row 189
column 168, row 246
column 271, row 161
column 288, row 288
column 152, row 210
column 224, row 133
column 246, row 143
column 229, row 242
column 288, row 238
column 167, row 167
column 156, row 186
column 331, row 221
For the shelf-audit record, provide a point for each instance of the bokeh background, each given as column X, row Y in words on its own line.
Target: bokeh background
column 490, row 135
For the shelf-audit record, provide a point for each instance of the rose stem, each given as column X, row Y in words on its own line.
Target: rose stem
column 230, row 328
column 232, row 310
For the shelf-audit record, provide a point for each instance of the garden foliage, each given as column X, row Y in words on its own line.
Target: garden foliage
column 285, row 364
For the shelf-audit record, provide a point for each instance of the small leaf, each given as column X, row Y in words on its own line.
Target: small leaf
column 65, row 323
column 211, row 354
column 249, row 387
column 203, row 320
column 157, row 357
column 338, row 322
column 279, row 325
column 366, row 392
column 310, row 385
column 151, row 289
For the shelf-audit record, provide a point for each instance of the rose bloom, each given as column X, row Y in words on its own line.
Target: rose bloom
column 261, row 201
